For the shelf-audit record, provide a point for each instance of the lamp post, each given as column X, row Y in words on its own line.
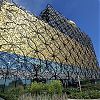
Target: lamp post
column 79, row 83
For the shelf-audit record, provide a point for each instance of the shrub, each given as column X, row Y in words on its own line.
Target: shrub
column 35, row 87
column 12, row 93
column 55, row 86
column 94, row 94
column 88, row 94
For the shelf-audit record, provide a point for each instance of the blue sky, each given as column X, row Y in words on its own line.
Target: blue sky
column 85, row 13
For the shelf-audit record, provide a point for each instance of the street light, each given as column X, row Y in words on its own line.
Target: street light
column 79, row 83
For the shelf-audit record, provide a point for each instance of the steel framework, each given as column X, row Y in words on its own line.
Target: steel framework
column 32, row 49
column 68, row 27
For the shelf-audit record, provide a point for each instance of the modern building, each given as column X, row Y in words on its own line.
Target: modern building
column 43, row 48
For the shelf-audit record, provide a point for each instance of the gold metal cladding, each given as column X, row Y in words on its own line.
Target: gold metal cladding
column 24, row 34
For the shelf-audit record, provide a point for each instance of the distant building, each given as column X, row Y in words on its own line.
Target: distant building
column 43, row 48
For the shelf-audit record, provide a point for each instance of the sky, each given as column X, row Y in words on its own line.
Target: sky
column 85, row 13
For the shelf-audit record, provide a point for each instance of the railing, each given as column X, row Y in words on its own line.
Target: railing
column 1, row 98
column 43, row 97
